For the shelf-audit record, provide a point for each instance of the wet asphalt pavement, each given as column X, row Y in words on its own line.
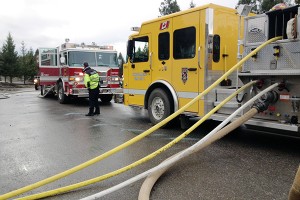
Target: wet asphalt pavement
column 40, row 137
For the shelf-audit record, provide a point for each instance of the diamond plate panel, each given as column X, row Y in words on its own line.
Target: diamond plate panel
column 256, row 29
column 288, row 60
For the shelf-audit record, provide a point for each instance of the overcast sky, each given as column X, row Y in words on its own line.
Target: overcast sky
column 46, row 23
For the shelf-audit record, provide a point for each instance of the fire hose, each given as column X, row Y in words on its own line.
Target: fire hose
column 150, row 156
column 213, row 136
column 207, row 140
column 4, row 96
column 295, row 189
column 135, row 139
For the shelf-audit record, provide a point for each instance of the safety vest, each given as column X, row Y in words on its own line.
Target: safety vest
column 92, row 79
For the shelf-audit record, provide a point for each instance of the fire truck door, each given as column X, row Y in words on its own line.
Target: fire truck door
column 185, row 70
column 140, row 69
column 48, row 66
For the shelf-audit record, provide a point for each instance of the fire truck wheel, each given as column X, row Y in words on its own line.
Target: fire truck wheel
column 106, row 98
column 159, row 106
column 62, row 98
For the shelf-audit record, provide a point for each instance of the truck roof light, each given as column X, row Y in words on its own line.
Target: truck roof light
column 243, row 9
column 135, row 28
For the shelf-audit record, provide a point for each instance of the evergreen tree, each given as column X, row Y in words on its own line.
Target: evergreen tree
column 22, row 61
column 1, row 65
column 192, row 4
column 36, row 57
column 266, row 5
column 36, row 54
column 10, row 59
column 297, row 1
column 256, row 5
column 145, row 49
column 31, row 65
column 27, row 63
column 168, row 7
column 139, row 53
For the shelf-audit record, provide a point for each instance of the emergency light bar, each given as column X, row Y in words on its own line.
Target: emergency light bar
column 82, row 45
column 135, row 28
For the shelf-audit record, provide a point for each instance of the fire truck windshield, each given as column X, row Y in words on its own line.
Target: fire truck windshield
column 77, row 58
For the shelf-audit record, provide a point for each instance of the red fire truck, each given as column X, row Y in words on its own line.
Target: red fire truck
column 60, row 70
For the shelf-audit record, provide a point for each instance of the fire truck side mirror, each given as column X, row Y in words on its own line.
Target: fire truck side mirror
column 130, row 49
column 62, row 60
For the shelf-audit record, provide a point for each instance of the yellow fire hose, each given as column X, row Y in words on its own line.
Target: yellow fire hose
column 135, row 139
column 146, row 158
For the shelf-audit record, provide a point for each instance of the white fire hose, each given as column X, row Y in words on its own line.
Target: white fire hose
column 207, row 140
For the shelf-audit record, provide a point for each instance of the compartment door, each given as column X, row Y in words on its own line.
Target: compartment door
column 185, row 70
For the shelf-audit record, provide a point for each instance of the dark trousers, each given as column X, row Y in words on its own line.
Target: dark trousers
column 93, row 100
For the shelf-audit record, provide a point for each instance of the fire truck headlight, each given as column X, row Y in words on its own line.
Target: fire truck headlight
column 116, row 79
column 77, row 79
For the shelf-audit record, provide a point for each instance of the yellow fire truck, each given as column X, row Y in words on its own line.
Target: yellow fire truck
column 174, row 58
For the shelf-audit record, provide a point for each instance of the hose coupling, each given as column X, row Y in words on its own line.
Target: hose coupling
column 282, row 86
column 260, row 83
column 261, row 106
column 270, row 97
column 265, row 100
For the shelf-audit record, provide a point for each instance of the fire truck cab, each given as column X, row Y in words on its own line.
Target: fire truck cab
column 173, row 58
column 60, row 70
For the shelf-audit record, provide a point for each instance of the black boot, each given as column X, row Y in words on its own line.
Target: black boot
column 97, row 112
column 91, row 112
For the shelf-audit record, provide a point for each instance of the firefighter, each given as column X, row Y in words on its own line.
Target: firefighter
column 91, row 81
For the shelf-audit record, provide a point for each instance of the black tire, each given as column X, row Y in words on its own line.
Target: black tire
column 43, row 90
column 105, row 98
column 159, row 106
column 36, row 87
column 62, row 98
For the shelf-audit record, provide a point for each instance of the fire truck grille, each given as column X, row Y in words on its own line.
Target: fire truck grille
column 103, row 78
column 102, row 74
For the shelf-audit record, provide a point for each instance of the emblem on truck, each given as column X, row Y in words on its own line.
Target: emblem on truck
column 164, row 25
column 184, row 75
column 255, row 30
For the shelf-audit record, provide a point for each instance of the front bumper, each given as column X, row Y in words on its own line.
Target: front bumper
column 83, row 92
